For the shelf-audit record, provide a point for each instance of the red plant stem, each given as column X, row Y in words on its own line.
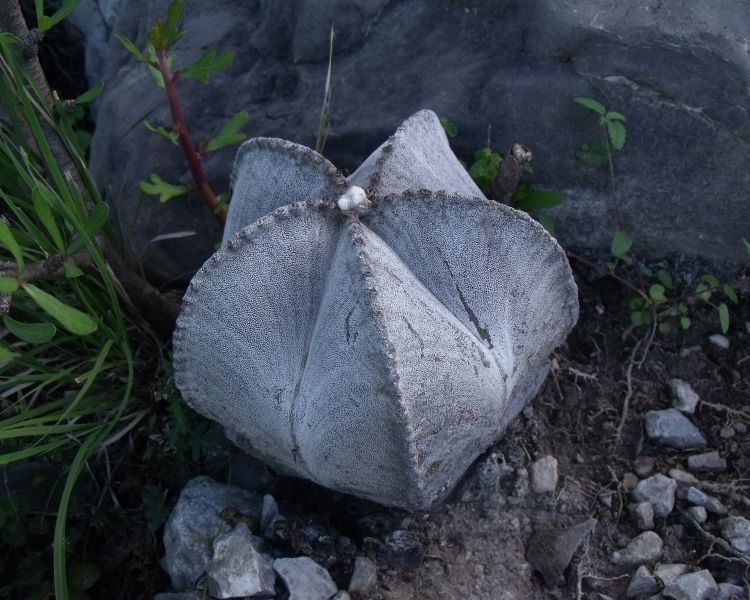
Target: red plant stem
column 194, row 160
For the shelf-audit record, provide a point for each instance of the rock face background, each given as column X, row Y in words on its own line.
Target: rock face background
column 679, row 71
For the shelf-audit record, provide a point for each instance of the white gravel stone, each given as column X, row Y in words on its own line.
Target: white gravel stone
column 365, row 576
column 644, row 548
column 544, row 475
column 736, row 530
column 237, row 569
column 642, row 515
column 699, row 513
column 659, row 490
column 685, row 397
column 692, row 586
column 720, row 341
column 700, row 498
column 671, row 428
column 667, row 573
column 681, row 476
column 643, row 582
column 305, row 579
column 707, row 461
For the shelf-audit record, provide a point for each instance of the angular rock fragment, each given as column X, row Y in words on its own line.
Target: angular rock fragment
column 544, row 475
column 550, row 551
column 644, row 548
column 692, row 586
column 659, row 490
column 686, row 399
column 736, row 530
column 707, row 461
column 377, row 352
column 305, row 579
column 237, row 568
column 365, row 576
column 194, row 523
column 642, row 583
column 671, row 428
column 642, row 515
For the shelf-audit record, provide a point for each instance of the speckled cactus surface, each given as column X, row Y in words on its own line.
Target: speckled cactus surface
column 372, row 340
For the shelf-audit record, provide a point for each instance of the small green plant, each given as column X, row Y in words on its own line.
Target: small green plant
column 656, row 301
column 325, row 111
column 163, row 35
column 484, row 171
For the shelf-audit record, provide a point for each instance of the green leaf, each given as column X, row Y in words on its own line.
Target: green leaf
column 621, row 244
column 665, row 278
column 132, row 48
column 665, row 327
column 72, row 319
column 723, row 317
column 33, row 333
column 636, row 303
column 639, row 317
column 730, row 293
column 172, row 136
column 6, row 353
column 158, row 187
column 591, row 104
column 747, row 245
column 8, row 285
column 7, row 240
column 484, row 168
column 593, row 154
column 701, row 292
column 682, row 308
column 647, row 272
column 71, row 269
column 83, row 575
column 98, row 217
column 656, row 293
column 165, row 34
column 42, row 208
column 90, row 95
column 46, row 23
column 616, row 132
column 451, row 129
column 536, row 199
column 207, row 64
column 711, row 280
column 614, row 116
column 546, row 222
column 230, row 133
column 685, row 322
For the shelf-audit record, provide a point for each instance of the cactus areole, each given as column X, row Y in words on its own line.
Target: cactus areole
column 375, row 334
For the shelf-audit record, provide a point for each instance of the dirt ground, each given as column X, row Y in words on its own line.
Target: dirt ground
column 589, row 415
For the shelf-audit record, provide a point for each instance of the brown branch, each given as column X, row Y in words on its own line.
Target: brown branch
column 509, row 174
column 157, row 309
column 192, row 156
column 50, row 268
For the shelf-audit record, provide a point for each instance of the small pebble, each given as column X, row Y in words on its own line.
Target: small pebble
column 667, row 573
column 642, row 515
column 686, row 399
column 644, row 548
column 740, row 427
column 700, row 498
column 683, row 476
column 730, row 591
column 659, row 490
column 736, row 530
column 365, row 576
column 699, row 513
column 720, row 341
column 643, row 465
column 629, row 481
column 671, row 428
column 643, row 582
column 693, row 586
column 727, row 432
column 707, row 461
column 544, row 475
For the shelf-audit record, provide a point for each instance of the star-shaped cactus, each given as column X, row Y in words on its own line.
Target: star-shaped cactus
column 373, row 335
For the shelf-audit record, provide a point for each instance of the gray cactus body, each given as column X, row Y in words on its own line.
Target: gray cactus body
column 376, row 354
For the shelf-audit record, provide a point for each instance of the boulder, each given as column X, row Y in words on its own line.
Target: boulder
column 509, row 65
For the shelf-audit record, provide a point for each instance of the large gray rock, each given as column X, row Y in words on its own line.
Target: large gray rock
column 644, row 548
column 659, row 490
column 195, row 523
column 511, row 65
column 736, row 530
column 377, row 354
column 693, row 586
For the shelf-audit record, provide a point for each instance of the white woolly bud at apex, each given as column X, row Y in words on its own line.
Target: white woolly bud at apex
column 355, row 198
